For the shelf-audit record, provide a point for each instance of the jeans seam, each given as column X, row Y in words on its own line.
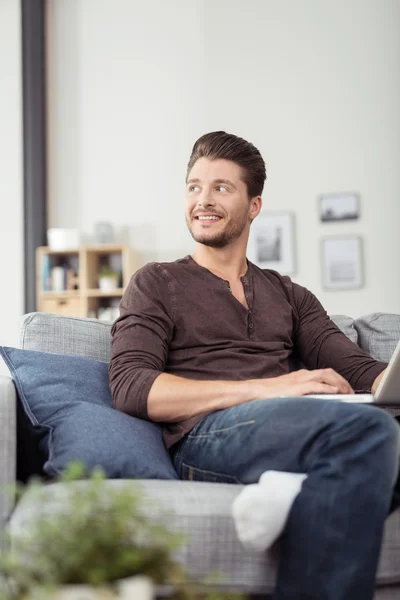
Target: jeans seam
column 192, row 468
column 200, row 435
column 178, row 452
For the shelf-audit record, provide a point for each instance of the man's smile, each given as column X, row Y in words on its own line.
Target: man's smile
column 208, row 219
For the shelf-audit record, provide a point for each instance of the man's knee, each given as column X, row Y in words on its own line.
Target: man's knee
column 391, row 429
column 381, row 437
column 384, row 422
column 369, row 427
column 367, row 416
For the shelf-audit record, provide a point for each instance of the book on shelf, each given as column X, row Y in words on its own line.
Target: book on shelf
column 46, row 273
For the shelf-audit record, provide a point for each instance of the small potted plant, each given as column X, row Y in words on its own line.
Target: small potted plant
column 86, row 542
column 108, row 279
column 86, row 546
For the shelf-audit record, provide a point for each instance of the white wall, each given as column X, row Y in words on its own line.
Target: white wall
column 314, row 84
column 317, row 85
column 11, row 183
column 127, row 101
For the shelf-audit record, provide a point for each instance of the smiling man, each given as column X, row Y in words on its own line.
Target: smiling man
column 210, row 346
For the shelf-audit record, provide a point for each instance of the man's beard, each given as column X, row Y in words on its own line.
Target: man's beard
column 220, row 239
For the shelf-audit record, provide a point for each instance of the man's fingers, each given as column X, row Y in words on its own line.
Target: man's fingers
column 319, row 388
column 330, row 377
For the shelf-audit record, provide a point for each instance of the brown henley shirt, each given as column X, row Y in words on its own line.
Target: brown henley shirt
column 180, row 318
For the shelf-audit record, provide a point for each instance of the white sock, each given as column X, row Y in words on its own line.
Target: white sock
column 261, row 510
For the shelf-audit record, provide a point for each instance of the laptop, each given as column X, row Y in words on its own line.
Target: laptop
column 388, row 391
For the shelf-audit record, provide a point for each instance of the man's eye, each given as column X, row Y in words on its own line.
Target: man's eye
column 193, row 188
column 221, row 188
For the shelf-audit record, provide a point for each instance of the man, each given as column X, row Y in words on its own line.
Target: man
column 209, row 346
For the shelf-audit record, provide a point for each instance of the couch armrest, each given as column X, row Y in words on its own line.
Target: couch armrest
column 8, row 445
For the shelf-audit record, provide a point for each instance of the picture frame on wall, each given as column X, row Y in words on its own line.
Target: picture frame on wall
column 339, row 207
column 342, row 262
column 272, row 241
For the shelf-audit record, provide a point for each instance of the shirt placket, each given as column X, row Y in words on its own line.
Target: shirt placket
column 248, row 293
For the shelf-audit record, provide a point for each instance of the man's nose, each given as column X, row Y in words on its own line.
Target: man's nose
column 206, row 198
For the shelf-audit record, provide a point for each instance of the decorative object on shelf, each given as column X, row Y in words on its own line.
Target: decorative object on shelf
column 104, row 233
column 109, row 309
column 63, row 239
column 339, row 207
column 57, row 279
column 342, row 263
column 72, row 279
column 108, row 279
column 271, row 242
column 108, row 313
column 59, row 272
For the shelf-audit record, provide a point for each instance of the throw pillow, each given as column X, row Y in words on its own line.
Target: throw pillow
column 67, row 401
column 379, row 334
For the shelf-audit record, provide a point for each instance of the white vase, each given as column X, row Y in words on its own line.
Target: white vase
column 108, row 284
column 135, row 588
column 84, row 592
column 131, row 588
column 72, row 592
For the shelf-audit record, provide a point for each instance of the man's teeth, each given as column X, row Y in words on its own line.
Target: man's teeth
column 208, row 218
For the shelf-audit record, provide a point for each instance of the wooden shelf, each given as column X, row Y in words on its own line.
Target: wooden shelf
column 82, row 267
column 103, row 248
column 98, row 249
column 65, row 294
column 100, row 294
column 47, row 250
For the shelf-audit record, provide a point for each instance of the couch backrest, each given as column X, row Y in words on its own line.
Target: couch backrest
column 346, row 324
column 377, row 333
column 66, row 335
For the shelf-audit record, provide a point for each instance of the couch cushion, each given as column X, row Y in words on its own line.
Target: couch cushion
column 66, row 335
column 202, row 512
column 346, row 324
column 378, row 334
column 67, row 402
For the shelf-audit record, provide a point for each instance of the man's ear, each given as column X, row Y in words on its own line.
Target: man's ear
column 255, row 207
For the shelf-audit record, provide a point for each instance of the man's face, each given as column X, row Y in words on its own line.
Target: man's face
column 217, row 204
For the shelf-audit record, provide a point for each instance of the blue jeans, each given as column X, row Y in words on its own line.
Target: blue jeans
column 331, row 543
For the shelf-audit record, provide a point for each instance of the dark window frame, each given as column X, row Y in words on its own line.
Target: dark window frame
column 33, row 42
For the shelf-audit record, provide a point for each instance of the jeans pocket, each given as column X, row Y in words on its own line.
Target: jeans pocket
column 194, row 474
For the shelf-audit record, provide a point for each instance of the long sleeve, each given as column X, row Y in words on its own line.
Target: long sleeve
column 320, row 343
column 140, row 340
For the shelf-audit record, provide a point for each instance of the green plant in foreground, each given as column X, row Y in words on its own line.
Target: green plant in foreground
column 91, row 538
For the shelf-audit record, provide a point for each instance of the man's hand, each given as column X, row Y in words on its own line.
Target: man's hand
column 172, row 399
column 300, row 383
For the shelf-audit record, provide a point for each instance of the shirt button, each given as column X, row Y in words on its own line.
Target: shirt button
column 250, row 325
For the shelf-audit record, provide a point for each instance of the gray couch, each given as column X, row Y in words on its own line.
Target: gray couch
column 201, row 510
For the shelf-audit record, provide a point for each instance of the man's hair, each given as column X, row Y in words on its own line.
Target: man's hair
column 219, row 144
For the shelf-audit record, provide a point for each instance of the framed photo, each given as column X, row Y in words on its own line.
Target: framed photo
column 271, row 242
column 339, row 207
column 342, row 263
